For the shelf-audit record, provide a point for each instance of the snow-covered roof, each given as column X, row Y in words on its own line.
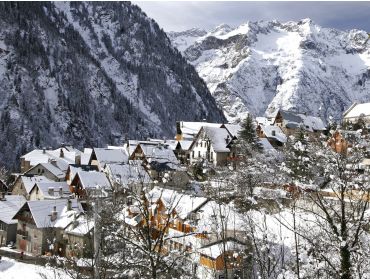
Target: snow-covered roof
column 295, row 120
column 233, row 129
column 191, row 129
column 44, row 156
column 273, row 131
column 93, row 179
column 263, row 121
column 105, row 156
column 217, row 249
column 219, row 137
column 51, row 168
column 10, row 206
column 128, row 173
column 185, row 144
column 41, row 212
column 357, row 110
column 267, row 147
column 80, row 226
column 160, row 157
column 29, row 182
column 183, row 204
column 51, row 190
column 85, row 156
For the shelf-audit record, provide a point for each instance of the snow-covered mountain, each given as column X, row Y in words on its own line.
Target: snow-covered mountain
column 262, row 66
column 88, row 73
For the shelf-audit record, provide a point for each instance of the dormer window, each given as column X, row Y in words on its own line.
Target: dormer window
column 273, row 133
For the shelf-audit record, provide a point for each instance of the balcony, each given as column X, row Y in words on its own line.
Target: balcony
column 22, row 232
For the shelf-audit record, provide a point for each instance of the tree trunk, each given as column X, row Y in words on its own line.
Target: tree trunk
column 345, row 262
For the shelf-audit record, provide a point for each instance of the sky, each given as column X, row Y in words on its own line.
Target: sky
column 183, row 15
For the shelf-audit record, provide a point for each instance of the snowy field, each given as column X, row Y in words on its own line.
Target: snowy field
column 12, row 269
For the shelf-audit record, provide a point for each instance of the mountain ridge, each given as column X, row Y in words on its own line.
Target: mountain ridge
column 89, row 73
column 262, row 66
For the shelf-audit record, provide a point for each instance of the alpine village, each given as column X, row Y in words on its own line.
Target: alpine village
column 278, row 195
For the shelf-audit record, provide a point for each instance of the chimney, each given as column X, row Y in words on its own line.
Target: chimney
column 78, row 159
column 69, row 205
column 2, row 196
column 54, row 214
column 43, row 150
column 60, row 191
column 178, row 127
column 61, row 155
column 227, row 139
column 51, row 191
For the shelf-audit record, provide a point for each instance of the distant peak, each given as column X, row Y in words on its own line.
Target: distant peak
column 222, row 27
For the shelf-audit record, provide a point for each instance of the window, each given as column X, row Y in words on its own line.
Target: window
column 192, row 154
column 198, row 153
column 201, row 143
column 273, row 133
column 211, row 157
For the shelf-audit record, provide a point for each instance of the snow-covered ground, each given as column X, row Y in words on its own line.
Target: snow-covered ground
column 12, row 269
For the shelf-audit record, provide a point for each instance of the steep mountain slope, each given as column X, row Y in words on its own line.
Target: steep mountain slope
column 87, row 73
column 262, row 66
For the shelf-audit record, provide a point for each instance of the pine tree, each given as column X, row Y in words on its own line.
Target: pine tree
column 248, row 135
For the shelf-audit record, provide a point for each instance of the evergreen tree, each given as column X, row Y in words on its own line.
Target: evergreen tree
column 248, row 136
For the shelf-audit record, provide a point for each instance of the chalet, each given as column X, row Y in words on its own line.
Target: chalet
column 101, row 156
column 272, row 133
column 24, row 184
column 74, row 168
column 9, row 205
column 79, row 237
column 50, row 190
column 356, row 112
column 290, row 122
column 193, row 223
column 62, row 157
column 161, row 163
column 188, row 130
column 213, row 144
column 131, row 178
column 85, row 182
column 42, row 221
column 48, row 170
column 213, row 258
column 182, row 151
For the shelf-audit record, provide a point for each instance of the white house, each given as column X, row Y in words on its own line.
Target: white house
column 357, row 111
column 212, row 144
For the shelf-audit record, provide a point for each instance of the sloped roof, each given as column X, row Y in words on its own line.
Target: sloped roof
column 233, row 129
column 80, row 227
column 105, row 156
column 45, row 186
column 269, row 132
column 191, row 129
column 128, row 173
column 92, row 179
column 44, row 156
column 41, row 211
column 218, row 137
column 183, row 204
column 185, row 144
column 160, row 157
column 356, row 110
column 9, row 207
column 29, row 182
column 267, row 147
column 51, row 168
column 295, row 120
